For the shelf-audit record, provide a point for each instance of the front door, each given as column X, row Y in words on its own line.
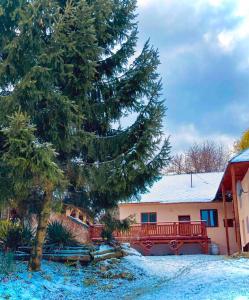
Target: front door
column 184, row 225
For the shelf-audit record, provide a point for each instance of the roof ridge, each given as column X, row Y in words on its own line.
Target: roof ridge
column 197, row 173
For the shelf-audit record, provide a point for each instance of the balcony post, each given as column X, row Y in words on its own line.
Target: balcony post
column 225, row 218
column 236, row 210
column 176, row 229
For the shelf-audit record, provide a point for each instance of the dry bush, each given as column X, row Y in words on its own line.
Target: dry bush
column 199, row 158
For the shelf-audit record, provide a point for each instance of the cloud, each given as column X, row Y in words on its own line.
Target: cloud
column 229, row 39
column 144, row 3
column 204, row 52
column 187, row 134
column 226, row 40
column 239, row 113
column 216, row 3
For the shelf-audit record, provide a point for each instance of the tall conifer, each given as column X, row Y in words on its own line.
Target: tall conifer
column 68, row 66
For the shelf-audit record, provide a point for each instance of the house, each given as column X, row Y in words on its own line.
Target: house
column 217, row 201
column 77, row 214
column 185, row 201
column 235, row 184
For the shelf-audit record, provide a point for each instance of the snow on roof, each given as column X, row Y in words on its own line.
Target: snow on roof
column 241, row 157
column 177, row 188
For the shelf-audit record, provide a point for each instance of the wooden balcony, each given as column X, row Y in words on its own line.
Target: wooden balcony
column 174, row 233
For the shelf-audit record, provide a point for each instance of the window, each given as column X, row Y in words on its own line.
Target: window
column 148, row 217
column 229, row 223
column 239, row 189
column 184, row 218
column 210, row 216
column 73, row 213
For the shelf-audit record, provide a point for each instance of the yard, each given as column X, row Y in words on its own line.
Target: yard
column 134, row 277
column 196, row 277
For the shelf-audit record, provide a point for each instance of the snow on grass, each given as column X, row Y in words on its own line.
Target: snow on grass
column 62, row 282
column 198, row 277
column 165, row 277
column 105, row 247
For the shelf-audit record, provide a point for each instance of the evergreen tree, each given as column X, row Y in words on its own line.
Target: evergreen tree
column 66, row 64
column 32, row 168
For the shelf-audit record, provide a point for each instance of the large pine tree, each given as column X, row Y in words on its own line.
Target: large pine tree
column 67, row 65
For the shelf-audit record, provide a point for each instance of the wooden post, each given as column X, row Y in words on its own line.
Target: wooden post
column 236, row 211
column 225, row 218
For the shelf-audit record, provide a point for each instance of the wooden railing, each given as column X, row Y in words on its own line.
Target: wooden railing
column 159, row 230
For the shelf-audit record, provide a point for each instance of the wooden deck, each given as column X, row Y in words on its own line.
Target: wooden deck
column 176, row 234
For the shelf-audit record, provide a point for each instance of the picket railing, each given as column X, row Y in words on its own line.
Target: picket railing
column 157, row 230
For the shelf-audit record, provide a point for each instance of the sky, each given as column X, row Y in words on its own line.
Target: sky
column 204, row 53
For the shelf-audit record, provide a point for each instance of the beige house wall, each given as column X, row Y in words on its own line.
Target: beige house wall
column 243, row 207
column 169, row 212
column 80, row 232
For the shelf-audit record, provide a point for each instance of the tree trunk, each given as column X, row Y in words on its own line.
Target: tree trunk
column 36, row 253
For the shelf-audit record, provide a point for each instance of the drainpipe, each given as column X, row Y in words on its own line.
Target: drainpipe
column 225, row 218
column 236, row 210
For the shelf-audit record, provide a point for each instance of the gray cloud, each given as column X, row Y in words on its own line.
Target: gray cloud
column 204, row 50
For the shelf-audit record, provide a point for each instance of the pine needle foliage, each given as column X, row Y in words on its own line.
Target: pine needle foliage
column 31, row 163
column 68, row 74
column 112, row 224
column 68, row 66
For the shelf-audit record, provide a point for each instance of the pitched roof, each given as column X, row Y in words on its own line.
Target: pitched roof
column 241, row 161
column 177, row 188
column 241, row 157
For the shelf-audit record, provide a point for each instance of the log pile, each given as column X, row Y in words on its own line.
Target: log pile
column 79, row 254
column 82, row 254
column 101, row 255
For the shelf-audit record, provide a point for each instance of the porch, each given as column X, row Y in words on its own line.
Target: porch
column 175, row 234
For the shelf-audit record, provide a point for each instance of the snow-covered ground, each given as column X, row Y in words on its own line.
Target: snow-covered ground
column 195, row 277
column 165, row 277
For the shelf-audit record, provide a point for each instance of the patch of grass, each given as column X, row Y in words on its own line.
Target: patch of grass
column 90, row 281
column 47, row 277
column 240, row 255
column 107, row 287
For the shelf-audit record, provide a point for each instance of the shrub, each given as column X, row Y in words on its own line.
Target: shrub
column 60, row 235
column 112, row 224
column 14, row 235
column 7, row 263
column 4, row 227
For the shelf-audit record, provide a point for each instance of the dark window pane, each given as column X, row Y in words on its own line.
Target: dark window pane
column 144, row 218
column 212, row 219
column 152, row 217
column 210, row 216
column 148, row 218
column 184, row 218
column 204, row 216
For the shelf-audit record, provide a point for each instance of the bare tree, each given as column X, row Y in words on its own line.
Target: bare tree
column 205, row 157
column 177, row 164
